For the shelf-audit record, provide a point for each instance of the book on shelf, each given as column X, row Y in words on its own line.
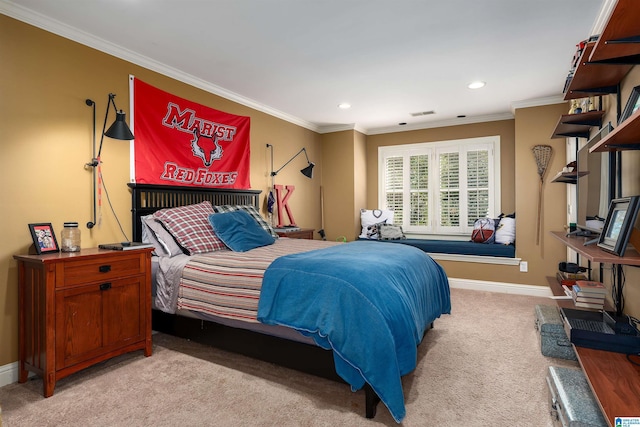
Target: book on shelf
column 589, row 305
column 569, row 279
column 571, row 276
column 587, row 300
column 589, row 287
column 591, row 298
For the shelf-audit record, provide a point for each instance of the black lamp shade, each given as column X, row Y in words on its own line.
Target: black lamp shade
column 308, row 171
column 119, row 128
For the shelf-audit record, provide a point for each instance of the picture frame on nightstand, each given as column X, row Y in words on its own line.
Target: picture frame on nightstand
column 44, row 239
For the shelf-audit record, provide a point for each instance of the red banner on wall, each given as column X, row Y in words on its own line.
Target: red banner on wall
column 179, row 142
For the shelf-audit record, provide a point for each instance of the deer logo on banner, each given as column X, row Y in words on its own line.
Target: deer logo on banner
column 206, row 147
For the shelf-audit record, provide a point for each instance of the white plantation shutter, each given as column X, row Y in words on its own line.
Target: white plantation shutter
column 419, row 190
column 477, row 185
column 442, row 187
column 449, row 200
column 394, row 191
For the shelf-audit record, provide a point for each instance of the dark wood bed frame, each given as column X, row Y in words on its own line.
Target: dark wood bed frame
column 146, row 199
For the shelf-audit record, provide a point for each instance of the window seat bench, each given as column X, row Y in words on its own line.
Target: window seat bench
column 459, row 247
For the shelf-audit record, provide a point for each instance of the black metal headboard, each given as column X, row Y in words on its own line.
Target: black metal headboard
column 148, row 198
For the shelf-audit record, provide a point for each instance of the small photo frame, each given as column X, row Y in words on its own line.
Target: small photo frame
column 619, row 224
column 633, row 103
column 44, row 239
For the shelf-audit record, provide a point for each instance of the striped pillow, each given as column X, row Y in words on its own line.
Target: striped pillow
column 251, row 210
column 191, row 228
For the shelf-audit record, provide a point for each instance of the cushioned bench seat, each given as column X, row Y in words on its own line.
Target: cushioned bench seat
column 458, row 247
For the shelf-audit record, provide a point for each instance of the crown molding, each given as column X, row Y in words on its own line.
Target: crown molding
column 441, row 123
column 56, row 27
column 537, row 102
column 603, row 17
column 341, row 127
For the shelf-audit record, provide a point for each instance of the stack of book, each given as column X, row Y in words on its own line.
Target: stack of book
column 588, row 294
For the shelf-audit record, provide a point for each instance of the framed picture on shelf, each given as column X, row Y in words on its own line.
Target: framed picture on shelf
column 44, row 239
column 619, row 224
column 633, row 103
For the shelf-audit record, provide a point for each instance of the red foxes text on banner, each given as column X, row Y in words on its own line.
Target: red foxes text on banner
column 179, row 142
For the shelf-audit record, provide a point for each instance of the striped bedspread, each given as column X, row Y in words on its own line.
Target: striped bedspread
column 227, row 283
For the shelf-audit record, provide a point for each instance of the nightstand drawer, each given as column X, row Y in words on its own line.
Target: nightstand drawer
column 99, row 268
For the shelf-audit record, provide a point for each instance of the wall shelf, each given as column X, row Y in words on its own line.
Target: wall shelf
column 619, row 42
column 593, row 253
column 591, row 79
column 568, row 177
column 577, row 125
column 625, row 137
column 605, row 62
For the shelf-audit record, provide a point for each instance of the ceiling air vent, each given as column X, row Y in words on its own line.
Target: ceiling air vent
column 422, row 113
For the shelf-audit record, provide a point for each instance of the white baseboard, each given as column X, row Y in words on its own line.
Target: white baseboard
column 9, row 372
column 505, row 288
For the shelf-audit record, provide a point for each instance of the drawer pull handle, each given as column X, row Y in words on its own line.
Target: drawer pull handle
column 105, row 286
column 104, row 268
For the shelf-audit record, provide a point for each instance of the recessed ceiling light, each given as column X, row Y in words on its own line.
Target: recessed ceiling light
column 476, row 85
column 344, row 106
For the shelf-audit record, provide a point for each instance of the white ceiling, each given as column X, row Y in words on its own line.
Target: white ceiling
column 299, row 59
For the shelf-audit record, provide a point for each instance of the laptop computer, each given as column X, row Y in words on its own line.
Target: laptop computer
column 124, row 246
column 598, row 330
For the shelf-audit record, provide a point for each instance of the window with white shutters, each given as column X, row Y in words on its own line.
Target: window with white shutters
column 441, row 187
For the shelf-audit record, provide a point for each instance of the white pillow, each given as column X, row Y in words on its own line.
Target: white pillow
column 155, row 232
column 506, row 231
column 369, row 219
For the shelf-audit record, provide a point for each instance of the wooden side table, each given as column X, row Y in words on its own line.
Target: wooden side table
column 80, row 308
column 303, row 233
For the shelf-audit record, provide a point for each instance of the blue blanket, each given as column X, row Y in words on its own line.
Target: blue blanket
column 369, row 303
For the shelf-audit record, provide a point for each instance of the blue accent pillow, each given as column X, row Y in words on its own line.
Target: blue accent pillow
column 239, row 231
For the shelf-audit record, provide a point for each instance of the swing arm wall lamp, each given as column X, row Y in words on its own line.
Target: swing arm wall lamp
column 118, row 130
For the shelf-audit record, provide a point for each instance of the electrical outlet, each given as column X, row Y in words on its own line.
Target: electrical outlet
column 524, row 266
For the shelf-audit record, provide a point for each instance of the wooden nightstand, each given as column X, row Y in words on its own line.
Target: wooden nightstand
column 303, row 233
column 80, row 308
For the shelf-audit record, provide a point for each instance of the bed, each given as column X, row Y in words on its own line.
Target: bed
column 274, row 320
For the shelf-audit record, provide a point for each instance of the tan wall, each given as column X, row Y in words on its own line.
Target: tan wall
column 338, row 182
column 533, row 127
column 360, row 180
column 45, row 138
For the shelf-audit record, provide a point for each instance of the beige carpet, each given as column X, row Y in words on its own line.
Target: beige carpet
column 480, row 366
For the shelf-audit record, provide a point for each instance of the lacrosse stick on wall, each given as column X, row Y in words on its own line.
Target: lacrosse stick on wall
column 542, row 153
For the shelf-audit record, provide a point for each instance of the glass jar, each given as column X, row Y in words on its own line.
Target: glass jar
column 70, row 237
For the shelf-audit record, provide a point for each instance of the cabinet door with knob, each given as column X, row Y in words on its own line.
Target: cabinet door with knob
column 98, row 318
